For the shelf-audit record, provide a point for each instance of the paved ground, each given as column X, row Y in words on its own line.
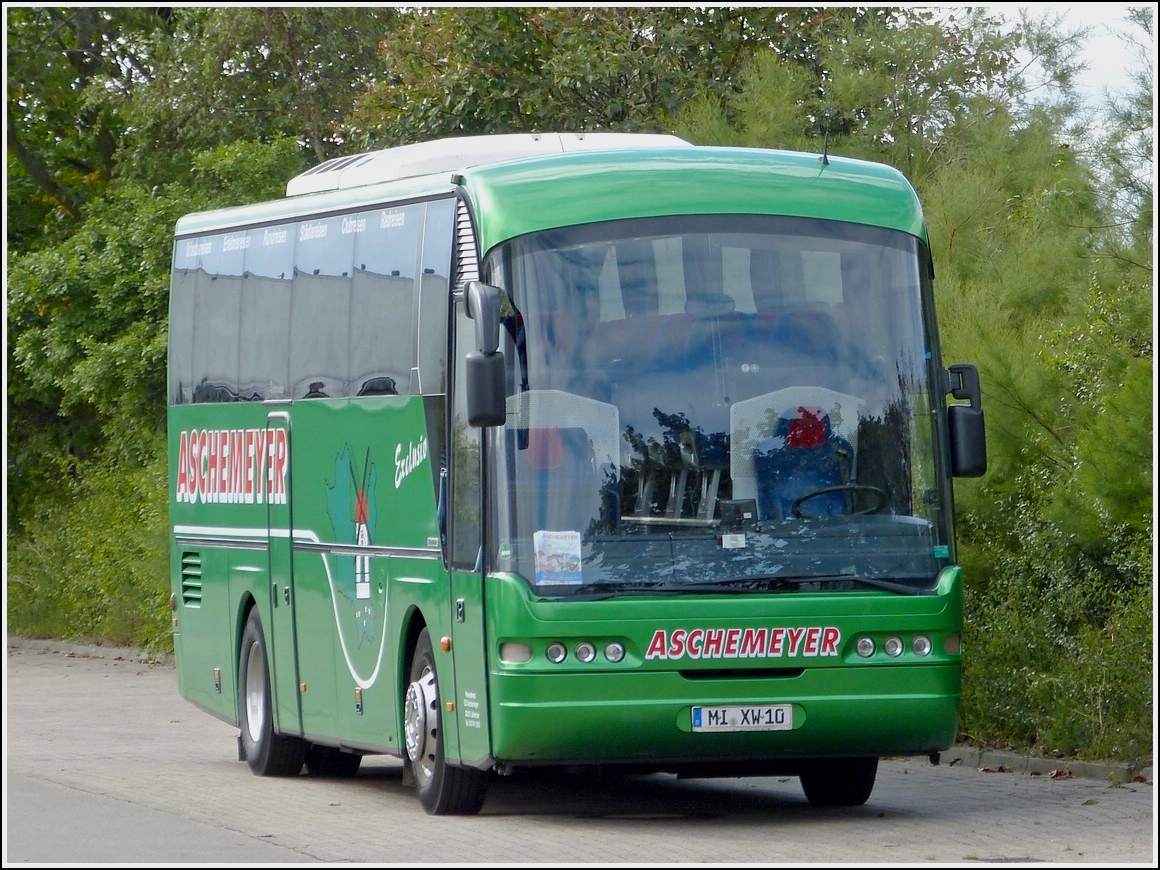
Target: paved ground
column 104, row 763
column 971, row 756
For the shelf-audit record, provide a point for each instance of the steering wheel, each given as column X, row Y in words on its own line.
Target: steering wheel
column 881, row 499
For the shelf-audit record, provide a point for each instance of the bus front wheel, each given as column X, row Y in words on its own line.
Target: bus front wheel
column 442, row 788
column 267, row 753
column 839, row 782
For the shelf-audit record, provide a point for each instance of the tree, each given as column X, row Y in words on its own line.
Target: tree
column 885, row 86
column 475, row 70
column 65, row 68
column 256, row 73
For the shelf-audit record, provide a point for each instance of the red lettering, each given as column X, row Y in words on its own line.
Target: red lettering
column 830, row 638
column 248, row 467
column 812, row 641
column 693, row 643
column 222, row 484
column 183, row 468
column 656, row 646
column 202, row 465
column 708, row 643
column 237, row 465
column 276, row 479
column 283, row 465
column 753, row 643
column 795, row 638
column 776, row 639
column 732, row 636
column 713, row 640
column 211, row 479
column 261, row 439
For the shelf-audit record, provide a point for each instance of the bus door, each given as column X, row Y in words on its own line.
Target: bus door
column 470, row 644
column 280, row 633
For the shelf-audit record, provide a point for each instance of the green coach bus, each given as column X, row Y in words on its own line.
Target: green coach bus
column 599, row 450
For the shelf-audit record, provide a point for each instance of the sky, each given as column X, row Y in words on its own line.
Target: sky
column 1108, row 57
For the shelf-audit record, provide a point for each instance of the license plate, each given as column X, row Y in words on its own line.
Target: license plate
column 752, row 717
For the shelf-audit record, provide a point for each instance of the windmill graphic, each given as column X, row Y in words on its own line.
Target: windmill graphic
column 350, row 502
column 362, row 535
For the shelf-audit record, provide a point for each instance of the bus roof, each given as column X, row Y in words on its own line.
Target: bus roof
column 533, row 195
column 457, row 153
column 528, row 185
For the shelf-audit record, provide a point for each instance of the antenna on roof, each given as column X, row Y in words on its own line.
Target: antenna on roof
column 825, row 158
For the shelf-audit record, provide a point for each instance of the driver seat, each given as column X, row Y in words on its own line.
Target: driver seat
column 803, row 455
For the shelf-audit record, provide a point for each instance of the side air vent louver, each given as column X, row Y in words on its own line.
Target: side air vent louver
column 191, row 579
column 466, row 253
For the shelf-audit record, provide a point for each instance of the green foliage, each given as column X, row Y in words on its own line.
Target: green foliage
column 93, row 565
column 1105, row 359
column 244, row 171
column 476, row 70
column 883, row 84
column 66, row 69
column 254, row 73
column 86, row 353
column 1031, row 681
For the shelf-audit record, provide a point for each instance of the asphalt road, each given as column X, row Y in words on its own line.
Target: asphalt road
column 105, row 763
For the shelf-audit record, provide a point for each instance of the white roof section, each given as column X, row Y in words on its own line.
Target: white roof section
column 423, row 158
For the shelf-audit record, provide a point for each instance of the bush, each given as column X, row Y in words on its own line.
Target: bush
column 1062, row 665
column 94, row 565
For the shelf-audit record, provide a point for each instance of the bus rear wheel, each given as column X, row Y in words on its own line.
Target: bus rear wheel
column 267, row 753
column 839, row 782
column 443, row 789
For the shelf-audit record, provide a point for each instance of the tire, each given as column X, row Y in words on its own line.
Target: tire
column 443, row 789
column 331, row 763
column 839, row 782
column 267, row 753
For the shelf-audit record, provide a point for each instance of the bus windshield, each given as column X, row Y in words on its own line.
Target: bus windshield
column 717, row 403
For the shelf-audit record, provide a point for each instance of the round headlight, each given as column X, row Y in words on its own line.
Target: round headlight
column 865, row 647
column 585, row 651
column 921, row 645
column 892, row 646
column 556, row 652
column 614, row 651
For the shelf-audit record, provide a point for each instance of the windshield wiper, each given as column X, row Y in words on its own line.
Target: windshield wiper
column 875, row 582
column 612, row 588
column 764, row 582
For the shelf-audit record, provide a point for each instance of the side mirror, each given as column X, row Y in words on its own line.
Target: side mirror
column 968, row 437
column 483, row 307
column 486, row 405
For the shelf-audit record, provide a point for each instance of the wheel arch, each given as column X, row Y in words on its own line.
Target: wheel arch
column 413, row 624
column 246, row 604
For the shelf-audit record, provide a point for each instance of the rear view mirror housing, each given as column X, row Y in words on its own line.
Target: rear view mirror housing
column 486, row 404
column 968, row 437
